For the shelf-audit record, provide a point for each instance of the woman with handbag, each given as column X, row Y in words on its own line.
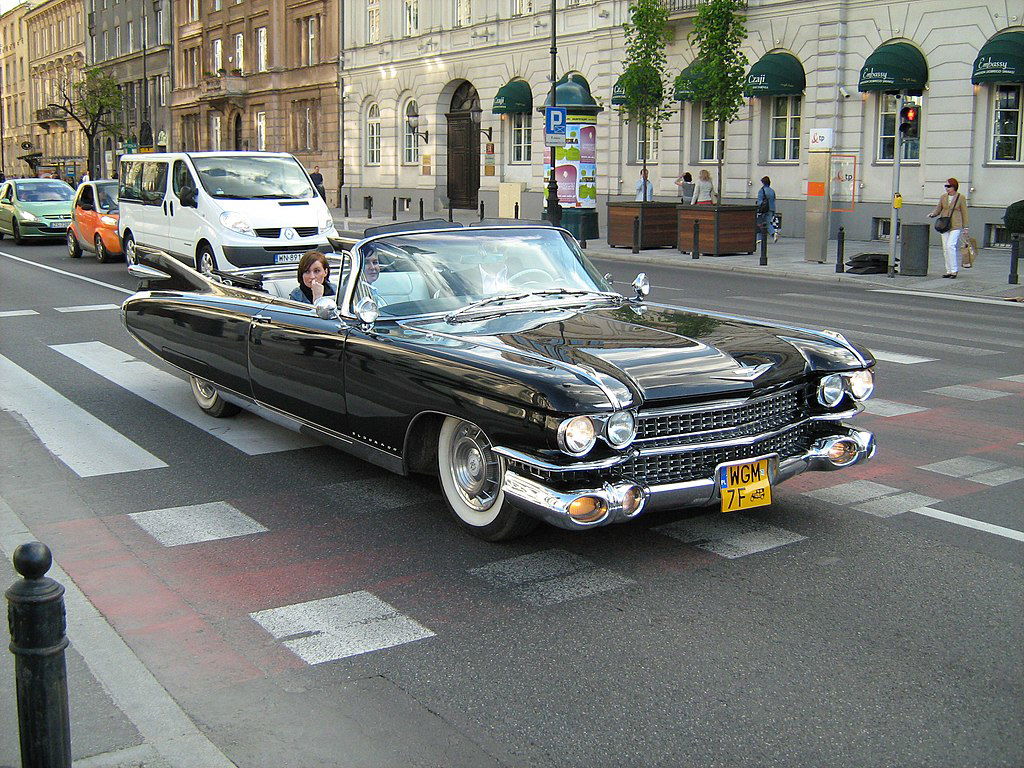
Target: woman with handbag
column 951, row 215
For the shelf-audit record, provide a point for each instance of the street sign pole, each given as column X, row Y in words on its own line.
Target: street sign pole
column 554, row 209
column 894, row 218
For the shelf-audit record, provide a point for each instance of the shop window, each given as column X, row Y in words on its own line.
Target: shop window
column 1006, row 124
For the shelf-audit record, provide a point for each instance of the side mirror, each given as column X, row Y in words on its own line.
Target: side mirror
column 326, row 308
column 187, row 197
column 367, row 311
column 641, row 285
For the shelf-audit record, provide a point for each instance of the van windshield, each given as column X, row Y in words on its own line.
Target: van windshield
column 247, row 177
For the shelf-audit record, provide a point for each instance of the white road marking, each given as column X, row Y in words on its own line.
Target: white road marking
column 1018, row 379
column 549, row 577
column 888, row 408
column 88, row 308
column 84, row 443
column 47, row 267
column 730, row 536
column 896, row 357
column 338, row 627
column 18, row 312
column 853, row 492
column 246, row 432
column 977, row 470
column 175, row 526
column 964, row 392
column 896, row 504
column 968, row 522
column 972, row 299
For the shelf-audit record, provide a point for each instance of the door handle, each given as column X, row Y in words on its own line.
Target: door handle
column 261, row 319
column 171, row 204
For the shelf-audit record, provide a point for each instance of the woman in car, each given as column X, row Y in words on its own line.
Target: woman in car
column 313, row 273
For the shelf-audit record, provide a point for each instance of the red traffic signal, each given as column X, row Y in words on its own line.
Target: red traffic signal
column 910, row 121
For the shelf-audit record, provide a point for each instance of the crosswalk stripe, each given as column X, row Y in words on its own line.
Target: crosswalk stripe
column 896, row 357
column 968, row 522
column 888, row 408
column 175, row 526
column 549, row 577
column 247, row 432
column 731, row 537
column 84, row 443
column 966, row 392
column 18, row 312
column 86, row 308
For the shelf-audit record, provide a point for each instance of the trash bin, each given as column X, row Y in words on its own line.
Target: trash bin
column 914, row 249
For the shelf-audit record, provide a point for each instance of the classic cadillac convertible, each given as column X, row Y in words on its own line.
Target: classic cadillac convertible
column 500, row 359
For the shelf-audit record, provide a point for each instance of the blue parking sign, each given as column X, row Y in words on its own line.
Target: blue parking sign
column 554, row 126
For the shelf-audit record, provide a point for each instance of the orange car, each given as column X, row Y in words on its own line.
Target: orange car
column 94, row 215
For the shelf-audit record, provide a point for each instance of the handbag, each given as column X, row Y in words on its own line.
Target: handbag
column 968, row 251
column 943, row 223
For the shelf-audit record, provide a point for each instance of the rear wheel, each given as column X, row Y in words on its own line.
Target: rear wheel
column 74, row 249
column 101, row 251
column 210, row 400
column 130, row 254
column 471, row 480
column 205, row 260
column 18, row 239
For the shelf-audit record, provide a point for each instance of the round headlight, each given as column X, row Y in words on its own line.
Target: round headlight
column 831, row 390
column 620, row 429
column 862, row 384
column 236, row 222
column 576, row 436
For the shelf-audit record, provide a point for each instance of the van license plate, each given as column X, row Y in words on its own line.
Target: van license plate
column 745, row 484
column 287, row 258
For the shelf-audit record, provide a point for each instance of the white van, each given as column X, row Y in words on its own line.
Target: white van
column 221, row 210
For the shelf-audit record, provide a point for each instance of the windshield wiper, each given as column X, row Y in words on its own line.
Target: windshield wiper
column 452, row 317
column 276, row 196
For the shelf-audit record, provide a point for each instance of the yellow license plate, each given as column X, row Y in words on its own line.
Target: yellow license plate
column 745, row 485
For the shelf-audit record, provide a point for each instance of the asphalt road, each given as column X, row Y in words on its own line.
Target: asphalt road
column 869, row 617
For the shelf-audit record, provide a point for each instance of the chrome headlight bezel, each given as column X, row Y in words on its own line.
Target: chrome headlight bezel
column 831, row 390
column 570, row 432
column 861, row 384
column 620, row 429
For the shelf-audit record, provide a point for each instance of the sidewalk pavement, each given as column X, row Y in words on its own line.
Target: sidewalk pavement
column 988, row 278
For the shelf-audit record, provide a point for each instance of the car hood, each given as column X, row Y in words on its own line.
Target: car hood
column 271, row 213
column 47, row 208
column 659, row 353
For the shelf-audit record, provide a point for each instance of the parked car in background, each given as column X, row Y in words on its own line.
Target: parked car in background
column 500, row 360
column 222, row 210
column 35, row 208
column 94, row 216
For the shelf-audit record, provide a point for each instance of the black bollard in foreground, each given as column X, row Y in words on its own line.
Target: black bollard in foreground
column 451, row 213
column 696, row 239
column 1014, row 256
column 421, row 209
column 481, row 210
column 35, row 613
column 369, row 207
column 346, row 206
column 516, row 215
column 763, row 261
column 841, row 250
column 394, row 209
column 636, row 234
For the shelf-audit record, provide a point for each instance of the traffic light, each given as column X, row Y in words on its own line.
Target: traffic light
column 910, row 121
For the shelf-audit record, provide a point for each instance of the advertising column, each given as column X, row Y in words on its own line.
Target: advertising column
column 819, row 183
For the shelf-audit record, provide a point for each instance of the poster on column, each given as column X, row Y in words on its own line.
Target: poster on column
column 576, row 164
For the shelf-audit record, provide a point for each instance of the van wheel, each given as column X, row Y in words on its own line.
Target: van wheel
column 74, row 249
column 18, row 239
column 206, row 262
column 130, row 255
column 101, row 251
column 210, row 400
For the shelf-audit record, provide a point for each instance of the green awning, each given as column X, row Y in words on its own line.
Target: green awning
column 775, row 74
column 618, row 93
column 684, row 90
column 1000, row 60
column 514, row 97
column 894, row 67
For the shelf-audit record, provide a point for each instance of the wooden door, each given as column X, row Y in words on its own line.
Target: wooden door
column 463, row 149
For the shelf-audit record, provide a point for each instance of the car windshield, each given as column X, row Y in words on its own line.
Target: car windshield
column 107, row 196
column 43, row 191
column 248, row 177
column 465, row 272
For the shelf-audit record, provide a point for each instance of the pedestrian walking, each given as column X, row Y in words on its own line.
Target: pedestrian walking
column 686, row 186
column 644, row 188
column 766, row 210
column 704, row 190
column 951, row 222
column 318, row 182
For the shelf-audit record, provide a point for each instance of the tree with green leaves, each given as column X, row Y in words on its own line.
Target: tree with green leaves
column 644, row 81
column 92, row 99
column 719, row 30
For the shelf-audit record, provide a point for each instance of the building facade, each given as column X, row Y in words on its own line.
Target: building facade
column 258, row 75
column 130, row 40
column 17, row 120
column 55, row 34
column 441, row 63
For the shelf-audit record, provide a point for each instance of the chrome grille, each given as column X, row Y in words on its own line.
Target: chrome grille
column 706, row 423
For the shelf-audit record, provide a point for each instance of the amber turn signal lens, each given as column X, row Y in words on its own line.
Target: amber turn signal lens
column 842, row 452
column 587, row 509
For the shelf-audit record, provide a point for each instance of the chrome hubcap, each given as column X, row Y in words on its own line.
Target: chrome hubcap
column 129, row 250
column 475, row 468
column 206, row 262
column 204, row 391
column 71, row 244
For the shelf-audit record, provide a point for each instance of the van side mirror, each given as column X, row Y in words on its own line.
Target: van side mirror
column 187, row 197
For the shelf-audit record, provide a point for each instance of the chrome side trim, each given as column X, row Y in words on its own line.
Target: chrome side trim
column 533, row 461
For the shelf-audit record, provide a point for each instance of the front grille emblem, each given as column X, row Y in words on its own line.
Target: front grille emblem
column 289, row 233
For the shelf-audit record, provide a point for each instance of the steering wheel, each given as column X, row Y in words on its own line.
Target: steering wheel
column 534, row 271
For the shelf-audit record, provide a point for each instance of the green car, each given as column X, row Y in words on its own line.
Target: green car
column 35, row 208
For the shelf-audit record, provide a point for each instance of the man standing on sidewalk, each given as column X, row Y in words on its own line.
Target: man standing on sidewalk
column 318, row 181
column 766, row 210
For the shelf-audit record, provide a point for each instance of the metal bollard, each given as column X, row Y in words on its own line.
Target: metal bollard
column 516, row 214
column 841, row 250
column 636, row 234
column 394, row 209
column 1014, row 256
column 763, row 261
column 346, row 206
column 481, row 210
column 369, row 207
column 696, row 239
column 35, row 613
column 583, row 243
column 421, row 209
column 451, row 213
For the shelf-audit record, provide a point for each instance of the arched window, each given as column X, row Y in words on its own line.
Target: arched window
column 410, row 141
column 373, row 135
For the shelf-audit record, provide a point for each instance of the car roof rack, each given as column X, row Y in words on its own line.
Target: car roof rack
column 411, row 226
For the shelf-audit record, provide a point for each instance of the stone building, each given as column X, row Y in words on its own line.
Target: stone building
column 258, row 75
column 55, row 34
column 131, row 41
column 17, row 118
column 418, row 74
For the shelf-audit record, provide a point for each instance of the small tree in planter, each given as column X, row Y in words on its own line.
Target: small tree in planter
column 644, row 81
column 718, row 32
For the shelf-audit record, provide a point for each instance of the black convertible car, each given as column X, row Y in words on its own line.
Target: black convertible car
column 500, row 359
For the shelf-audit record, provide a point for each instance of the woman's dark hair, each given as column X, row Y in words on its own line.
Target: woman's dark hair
column 766, row 181
column 687, row 177
column 307, row 260
column 954, row 184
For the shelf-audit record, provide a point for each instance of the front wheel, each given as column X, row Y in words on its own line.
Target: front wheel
column 101, row 250
column 16, row 234
column 471, row 480
column 74, row 249
column 210, row 400
column 206, row 262
column 131, row 256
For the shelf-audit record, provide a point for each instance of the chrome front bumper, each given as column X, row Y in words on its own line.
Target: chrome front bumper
column 552, row 506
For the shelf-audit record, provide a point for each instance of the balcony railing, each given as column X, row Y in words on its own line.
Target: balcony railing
column 223, row 87
column 50, row 115
column 682, row 6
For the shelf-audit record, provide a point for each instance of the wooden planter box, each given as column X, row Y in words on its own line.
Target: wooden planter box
column 724, row 229
column 658, row 226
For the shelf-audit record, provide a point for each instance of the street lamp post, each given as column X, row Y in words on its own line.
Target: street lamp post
column 554, row 209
